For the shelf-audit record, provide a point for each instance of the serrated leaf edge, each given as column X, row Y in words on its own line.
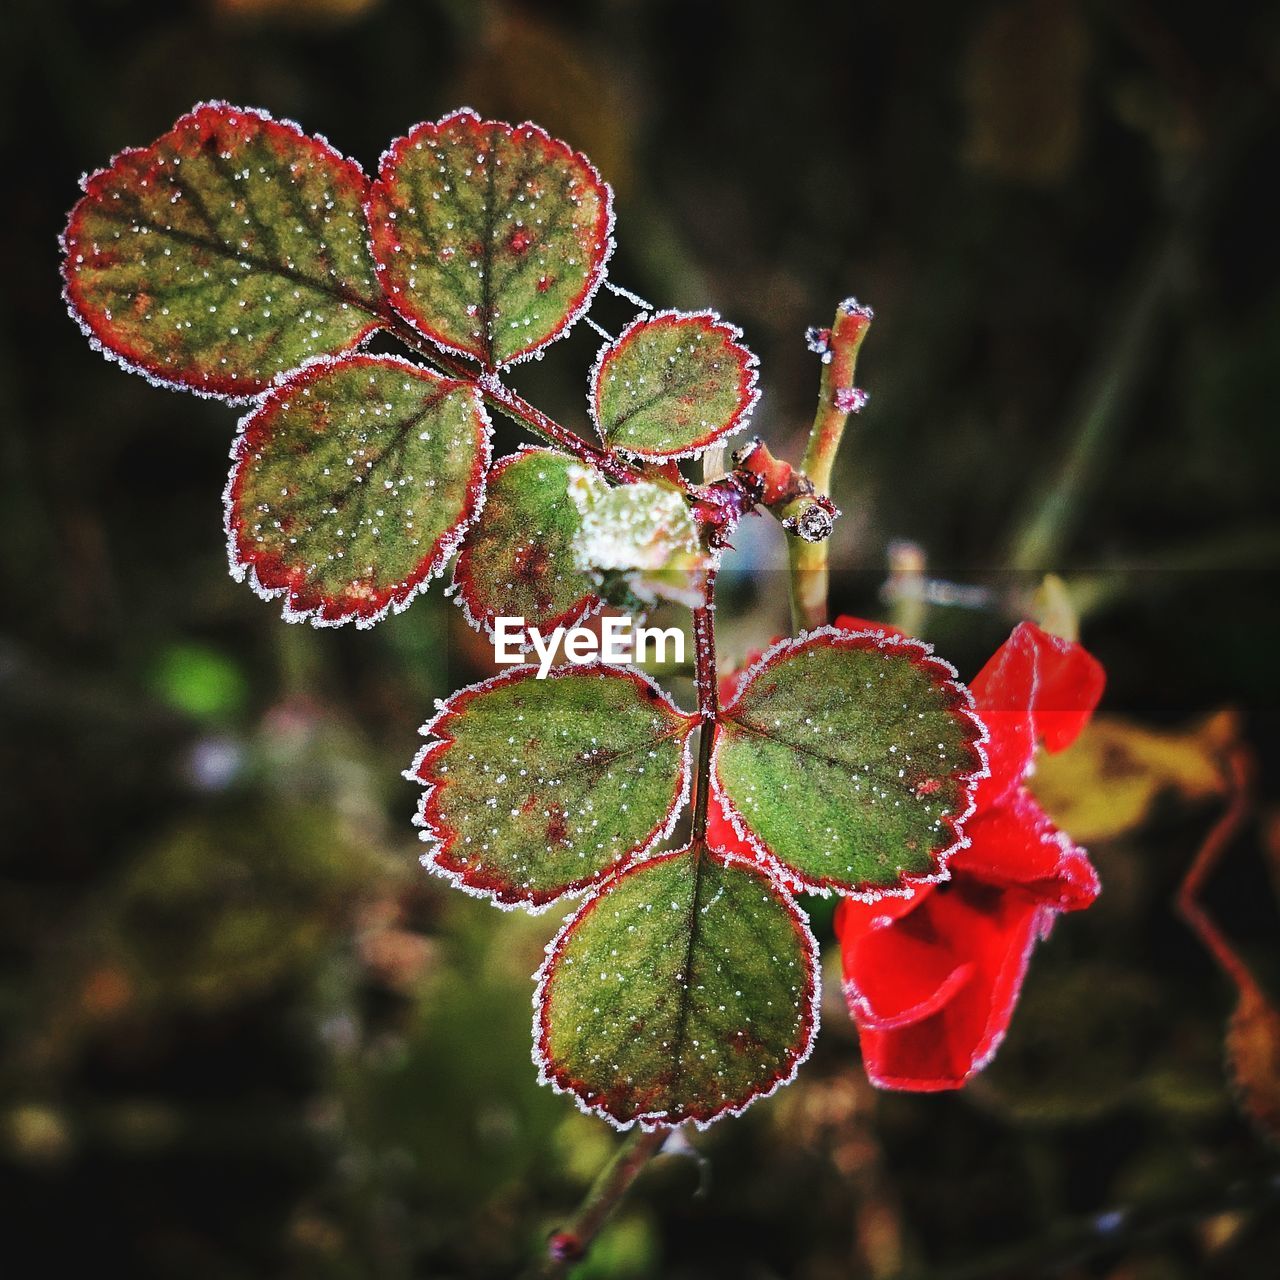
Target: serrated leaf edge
column 116, row 357
column 923, row 655
column 659, row 1120
column 749, row 387
column 436, row 839
column 583, row 611
column 246, row 571
column 601, row 273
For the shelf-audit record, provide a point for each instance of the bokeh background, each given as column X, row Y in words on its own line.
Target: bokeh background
column 245, row 1036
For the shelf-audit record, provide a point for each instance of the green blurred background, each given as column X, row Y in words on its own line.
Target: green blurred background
column 245, row 1036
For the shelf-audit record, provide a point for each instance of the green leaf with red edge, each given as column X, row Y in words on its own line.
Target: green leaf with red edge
column 230, row 250
column 538, row 788
column 353, row 482
column 673, row 384
column 850, row 758
column 684, row 989
column 490, row 239
column 520, row 559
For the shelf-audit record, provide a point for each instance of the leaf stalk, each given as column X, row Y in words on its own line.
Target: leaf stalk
column 569, row 1244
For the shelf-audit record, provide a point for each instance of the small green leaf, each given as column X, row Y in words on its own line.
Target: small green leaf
column 519, row 560
column 850, row 757
column 490, row 239
column 673, row 384
column 353, row 482
column 538, row 788
column 231, row 249
column 684, row 989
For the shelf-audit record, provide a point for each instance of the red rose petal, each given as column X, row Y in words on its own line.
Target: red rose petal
column 1015, row 845
column 1036, row 686
column 990, row 932
column 899, row 975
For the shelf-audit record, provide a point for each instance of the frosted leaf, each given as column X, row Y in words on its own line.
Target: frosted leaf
column 683, row 990
column 520, row 559
column 672, row 385
column 538, row 788
column 490, row 239
column 353, row 482
column 850, row 758
column 228, row 251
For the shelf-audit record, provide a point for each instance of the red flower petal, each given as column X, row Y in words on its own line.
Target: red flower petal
column 855, row 917
column 932, row 981
column 721, row 835
column 897, row 973
column 986, row 935
column 1015, row 845
column 1035, row 687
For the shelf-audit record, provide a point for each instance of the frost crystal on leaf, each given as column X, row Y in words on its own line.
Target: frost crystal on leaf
column 538, row 788
column 850, row 758
column 230, row 250
column 634, row 526
column 490, row 239
column 684, row 989
column 672, row 385
column 353, row 482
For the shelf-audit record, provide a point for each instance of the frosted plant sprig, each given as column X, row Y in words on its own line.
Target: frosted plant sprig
column 240, row 258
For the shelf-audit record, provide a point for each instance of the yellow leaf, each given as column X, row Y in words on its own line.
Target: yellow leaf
column 1107, row 783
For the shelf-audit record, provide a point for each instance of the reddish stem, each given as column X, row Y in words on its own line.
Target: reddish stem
column 843, row 342
column 569, row 1244
column 516, row 406
column 513, row 404
column 1239, row 771
column 704, row 647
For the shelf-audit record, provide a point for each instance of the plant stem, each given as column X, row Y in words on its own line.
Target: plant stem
column 1238, row 773
column 569, row 1244
column 809, row 573
column 704, row 648
column 514, row 405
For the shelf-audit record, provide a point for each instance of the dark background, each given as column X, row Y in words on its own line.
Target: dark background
column 245, row 1036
